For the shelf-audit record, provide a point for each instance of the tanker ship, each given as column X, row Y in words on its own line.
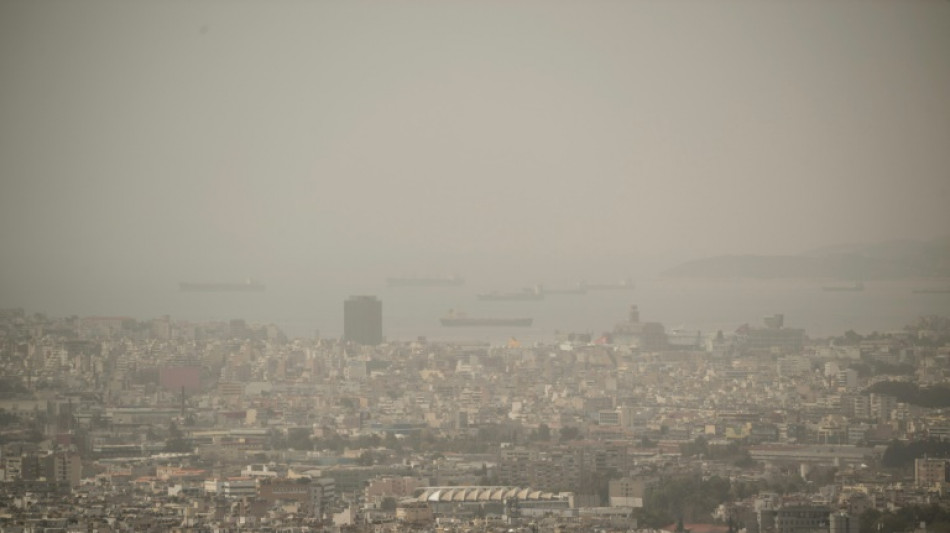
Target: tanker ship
column 442, row 281
column 625, row 284
column 247, row 285
column 526, row 294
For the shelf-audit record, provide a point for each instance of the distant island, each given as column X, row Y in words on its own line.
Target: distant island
column 903, row 259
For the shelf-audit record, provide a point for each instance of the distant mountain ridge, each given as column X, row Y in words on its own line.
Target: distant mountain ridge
column 885, row 260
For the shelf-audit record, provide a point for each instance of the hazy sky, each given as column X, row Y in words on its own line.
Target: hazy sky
column 203, row 140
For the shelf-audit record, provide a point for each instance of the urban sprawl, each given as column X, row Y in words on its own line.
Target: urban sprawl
column 117, row 424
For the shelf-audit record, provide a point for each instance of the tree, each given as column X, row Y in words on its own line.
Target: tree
column 299, row 439
column 276, row 440
column 652, row 518
column 388, row 504
column 745, row 460
column 7, row 419
column 689, row 496
column 367, row 458
column 596, row 483
column 543, row 433
column 392, row 442
column 569, row 433
column 900, row 455
column 698, row 447
column 11, row 387
column 851, row 338
column 177, row 443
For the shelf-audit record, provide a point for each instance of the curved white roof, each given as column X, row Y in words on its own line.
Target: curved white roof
column 484, row 494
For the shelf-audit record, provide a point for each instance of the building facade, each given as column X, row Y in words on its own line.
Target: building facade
column 931, row 471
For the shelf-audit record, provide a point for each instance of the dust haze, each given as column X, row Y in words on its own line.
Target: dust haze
column 331, row 144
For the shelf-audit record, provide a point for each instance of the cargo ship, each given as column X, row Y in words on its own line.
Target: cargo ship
column 526, row 294
column 247, row 285
column 857, row 287
column 460, row 320
column 623, row 285
column 442, row 281
column 580, row 288
column 932, row 291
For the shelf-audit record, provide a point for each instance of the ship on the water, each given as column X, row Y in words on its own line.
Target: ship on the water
column 526, row 294
column 248, row 285
column 932, row 291
column 415, row 281
column 580, row 288
column 454, row 319
column 625, row 284
column 856, row 287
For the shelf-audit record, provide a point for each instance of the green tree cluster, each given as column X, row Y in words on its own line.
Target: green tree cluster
column 933, row 397
column 900, row 455
column 11, row 387
column 176, row 442
column 906, row 518
column 569, row 433
column 691, row 497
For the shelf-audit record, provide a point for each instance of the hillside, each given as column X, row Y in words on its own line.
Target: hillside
column 886, row 260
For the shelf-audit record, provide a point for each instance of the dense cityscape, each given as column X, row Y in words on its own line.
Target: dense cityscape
column 118, row 424
column 482, row 266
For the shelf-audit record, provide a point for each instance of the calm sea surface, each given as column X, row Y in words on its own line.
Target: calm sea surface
column 692, row 305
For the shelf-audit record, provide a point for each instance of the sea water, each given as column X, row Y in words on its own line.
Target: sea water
column 704, row 305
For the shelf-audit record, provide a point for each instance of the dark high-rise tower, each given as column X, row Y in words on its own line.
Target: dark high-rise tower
column 363, row 320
